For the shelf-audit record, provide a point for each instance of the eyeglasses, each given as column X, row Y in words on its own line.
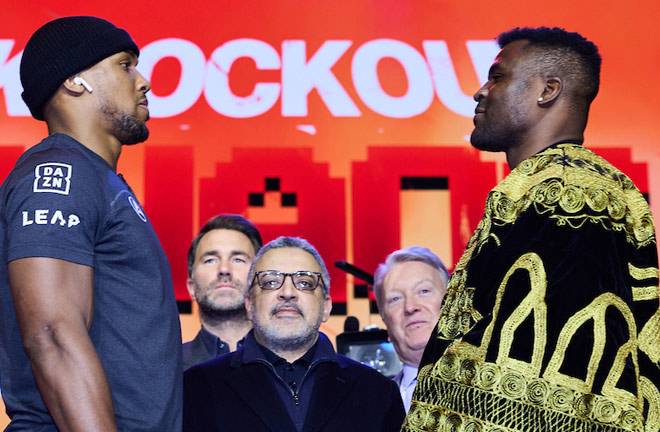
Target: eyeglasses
column 272, row 280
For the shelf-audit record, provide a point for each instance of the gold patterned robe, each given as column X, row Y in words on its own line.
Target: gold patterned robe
column 550, row 321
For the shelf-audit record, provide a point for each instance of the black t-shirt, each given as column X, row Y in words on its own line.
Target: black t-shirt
column 63, row 201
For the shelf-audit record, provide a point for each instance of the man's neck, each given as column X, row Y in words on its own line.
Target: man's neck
column 563, row 125
column 290, row 355
column 515, row 156
column 106, row 147
column 230, row 330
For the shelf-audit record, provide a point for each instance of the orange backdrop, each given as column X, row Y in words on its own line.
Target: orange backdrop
column 345, row 121
column 337, row 121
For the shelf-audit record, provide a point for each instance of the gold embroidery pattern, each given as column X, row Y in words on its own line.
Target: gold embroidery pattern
column 645, row 293
column 643, row 273
column 595, row 313
column 462, row 391
column 533, row 304
column 652, row 396
column 573, row 185
column 649, row 338
column 556, row 182
column 464, row 394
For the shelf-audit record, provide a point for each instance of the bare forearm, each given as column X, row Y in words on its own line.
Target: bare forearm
column 72, row 381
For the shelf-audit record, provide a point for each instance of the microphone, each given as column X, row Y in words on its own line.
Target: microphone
column 355, row 271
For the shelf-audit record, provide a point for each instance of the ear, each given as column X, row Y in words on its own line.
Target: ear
column 551, row 91
column 190, row 284
column 73, row 88
column 327, row 307
column 382, row 316
column 248, row 304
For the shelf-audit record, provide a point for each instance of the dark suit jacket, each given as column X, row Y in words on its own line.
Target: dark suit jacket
column 204, row 347
column 195, row 352
column 228, row 394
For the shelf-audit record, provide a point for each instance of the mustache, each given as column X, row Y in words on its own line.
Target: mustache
column 287, row 305
column 225, row 280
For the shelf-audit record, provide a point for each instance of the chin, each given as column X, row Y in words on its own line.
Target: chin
column 420, row 334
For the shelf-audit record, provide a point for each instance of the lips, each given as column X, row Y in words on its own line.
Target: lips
column 224, row 282
column 477, row 112
column 414, row 323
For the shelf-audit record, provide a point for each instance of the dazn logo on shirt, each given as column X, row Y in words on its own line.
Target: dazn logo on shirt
column 52, row 177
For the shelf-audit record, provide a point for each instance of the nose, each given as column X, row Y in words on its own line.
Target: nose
column 143, row 84
column 410, row 306
column 223, row 268
column 287, row 291
column 481, row 93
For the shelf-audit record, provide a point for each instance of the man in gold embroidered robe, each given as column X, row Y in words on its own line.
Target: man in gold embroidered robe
column 550, row 321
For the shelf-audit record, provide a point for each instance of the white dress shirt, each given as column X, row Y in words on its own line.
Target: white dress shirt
column 407, row 380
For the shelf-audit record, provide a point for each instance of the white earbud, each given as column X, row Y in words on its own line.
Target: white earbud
column 81, row 81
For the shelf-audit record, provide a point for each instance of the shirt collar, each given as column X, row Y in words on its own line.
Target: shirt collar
column 321, row 351
column 409, row 375
column 215, row 345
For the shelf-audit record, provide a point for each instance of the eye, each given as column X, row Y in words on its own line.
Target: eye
column 239, row 260
column 393, row 300
column 210, row 260
column 270, row 282
column 425, row 290
column 126, row 64
column 495, row 78
column 305, row 281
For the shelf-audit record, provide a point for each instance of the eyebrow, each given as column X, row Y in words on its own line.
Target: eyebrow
column 129, row 55
column 424, row 281
column 231, row 254
column 430, row 281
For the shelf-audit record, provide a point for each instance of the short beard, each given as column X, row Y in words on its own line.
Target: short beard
column 490, row 141
column 278, row 343
column 212, row 313
column 129, row 130
column 494, row 137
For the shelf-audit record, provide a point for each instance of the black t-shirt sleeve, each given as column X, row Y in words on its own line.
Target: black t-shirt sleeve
column 54, row 207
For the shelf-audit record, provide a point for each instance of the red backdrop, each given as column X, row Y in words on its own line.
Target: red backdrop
column 304, row 116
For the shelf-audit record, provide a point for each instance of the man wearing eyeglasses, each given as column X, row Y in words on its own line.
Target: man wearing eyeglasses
column 287, row 375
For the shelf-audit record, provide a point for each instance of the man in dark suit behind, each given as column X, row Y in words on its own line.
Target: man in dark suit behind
column 287, row 376
column 219, row 259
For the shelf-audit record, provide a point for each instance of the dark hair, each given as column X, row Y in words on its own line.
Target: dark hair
column 556, row 52
column 225, row 221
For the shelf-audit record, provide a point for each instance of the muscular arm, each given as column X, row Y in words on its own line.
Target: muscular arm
column 54, row 304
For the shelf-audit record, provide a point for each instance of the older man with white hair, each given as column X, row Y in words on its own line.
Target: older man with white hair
column 409, row 287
